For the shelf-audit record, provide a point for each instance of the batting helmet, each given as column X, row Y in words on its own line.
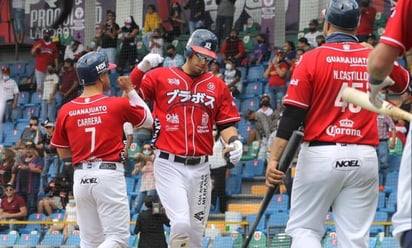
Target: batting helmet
column 344, row 14
column 91, row 65
column 202, row 41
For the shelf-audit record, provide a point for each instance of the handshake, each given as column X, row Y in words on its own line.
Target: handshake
column 150, row 61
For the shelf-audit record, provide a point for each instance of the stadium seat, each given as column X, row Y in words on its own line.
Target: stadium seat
column 36, row 98
column 255, row 72
column 253, row 168
column 379, row 217
column 73, row 240
column 33, row 226
column 57, row 216
column 24, row 98
column 372, row 242
column 253, row 88
column 131, row 186
column 28, row 240
column 9, row 239
column 280, row 240
column 133, row 219
column 30, row 110
column 29, row 68
column 278, row 203
column 205, row 242
column 53, row 239
column 233, row 184
column 258, row 240
column 330, row 227
column 381, row 200
column 330, row 241
column 277, row 223
column 18, row 69
column 261, row 225
column 390, row 206
column 132, row 241
column 251, row 103
column 389, row 242
column 391, row 182
column 244, row 208
column 12, row 138
column 223, row 241
column 258, row 189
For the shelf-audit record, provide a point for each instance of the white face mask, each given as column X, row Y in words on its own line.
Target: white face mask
column 214, row 133
column 5, row 77
column 228, row 67
column 147, row 152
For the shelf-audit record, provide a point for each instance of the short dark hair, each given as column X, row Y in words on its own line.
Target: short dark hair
column 170, row 47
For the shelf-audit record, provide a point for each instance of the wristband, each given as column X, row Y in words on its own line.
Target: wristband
column 374, row 80
column 233, row 138
column 67, row 161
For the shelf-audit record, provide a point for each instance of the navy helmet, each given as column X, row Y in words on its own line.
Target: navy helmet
column 344, row 14
column 202, row 41
column 91, row 65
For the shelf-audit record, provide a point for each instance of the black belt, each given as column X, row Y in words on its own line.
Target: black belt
column 184, row 160
column 103, row 166
column 383, row 140
column 10, row 100
column 321, row 143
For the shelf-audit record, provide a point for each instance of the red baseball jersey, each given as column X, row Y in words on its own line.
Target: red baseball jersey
column 397, row 31
column 316, row 85
column 185, row 109
column 92, row 127
column 45, row 55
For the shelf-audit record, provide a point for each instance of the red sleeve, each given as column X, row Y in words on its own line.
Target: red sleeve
column 401, row 76
column 223, row 49
column 241, row 48
column 136, row 77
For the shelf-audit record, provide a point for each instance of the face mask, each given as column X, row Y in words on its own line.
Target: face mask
column 128, row 26
column 170, row 54
column 5, row 77
column 50, row 71
column 259, row 41
column 46, row 38
column 233, row 37
column 214, row 133
column 72, row 202
column 265, row 103
column 147, row 152
column 312, row 29
column 228, row 67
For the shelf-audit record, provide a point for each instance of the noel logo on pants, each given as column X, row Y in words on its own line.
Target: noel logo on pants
column 89, row 180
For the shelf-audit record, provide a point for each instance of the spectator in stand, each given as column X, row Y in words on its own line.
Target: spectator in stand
column 233, row 78
column 304, row 44
column 12, row 207
column 27, row 175
column 215, row 69
column 264, row 105
column 290, row 52
column 197, row 11
column 11, row 90
column 276, row 72
column 218, row 172
column 299, row 53
column 73, row 50
column 70, row 82
column 224, row 18
column 232, row 48
column 368, row 14
column 45, row 52
column 51, row 159
column 52, row 200
column 49, row 104
column 8, row 158
column 31, row 133
column 128, row 51
column 261, row 52
column 110, row 30
column 313, row 32
column 152, row 22
column 145, row 166
column 70, row 215
column 97, row 39
column 156, row 42
column 150, row 224
column 17, row 12
column 320, row 40
column 177, row 20
column 173, row 59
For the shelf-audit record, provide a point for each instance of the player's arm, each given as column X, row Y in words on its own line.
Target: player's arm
column 230, row 136
column 291, row 120
column 64, row 153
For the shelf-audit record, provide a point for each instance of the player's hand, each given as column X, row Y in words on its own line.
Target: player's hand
column 375, row 88
column 273, row 175
column 149, row 61
column 236, row 151
column 125, row 83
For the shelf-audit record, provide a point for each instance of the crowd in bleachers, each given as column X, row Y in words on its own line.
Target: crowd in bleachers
column 250, row 67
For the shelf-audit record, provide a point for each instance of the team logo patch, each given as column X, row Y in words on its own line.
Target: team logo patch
column 173, row 81
column 211, row 86
column 208, row 45
column 172, row 118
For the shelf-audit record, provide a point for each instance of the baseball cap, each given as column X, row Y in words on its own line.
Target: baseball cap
column 48, row 123
column 29, row 144
column 69, row 60
column 314, row 22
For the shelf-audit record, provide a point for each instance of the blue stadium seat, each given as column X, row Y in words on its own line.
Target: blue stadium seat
column 205, row 242
column 57, row 216
column 255, row 72
column 29, row 68
column 132, row 241
column 389, row 242
column 253, row 168
column 390, row 206
column 223, row 241
column 330, row 241
column 391, row 182
column 329, row 218
column 262, row 222
column 12, row 138
column 372, row 242
column 30, row 110
column 28, row 240
column 253, row 88
column 381, row 200
column 278, row 203
column 24, row 98
column 18, row 69
column 73, row 240
column 131, row 186
column 379, row 217
column 8, row 239
column 277, row 223
column 33, row 226
column 51, row 239
column 36, row 98
column 251, row 103
column 233, row 184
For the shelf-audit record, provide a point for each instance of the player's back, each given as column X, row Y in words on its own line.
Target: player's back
column 317, row 84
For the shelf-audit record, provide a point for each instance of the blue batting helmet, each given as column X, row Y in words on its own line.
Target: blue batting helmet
column 344, row 14
column 202, row 41
column 91, row 65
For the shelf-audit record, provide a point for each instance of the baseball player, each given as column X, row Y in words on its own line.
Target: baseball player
column 89, row 130
column 396, row 40
column 337, row 165
column 187, row 102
